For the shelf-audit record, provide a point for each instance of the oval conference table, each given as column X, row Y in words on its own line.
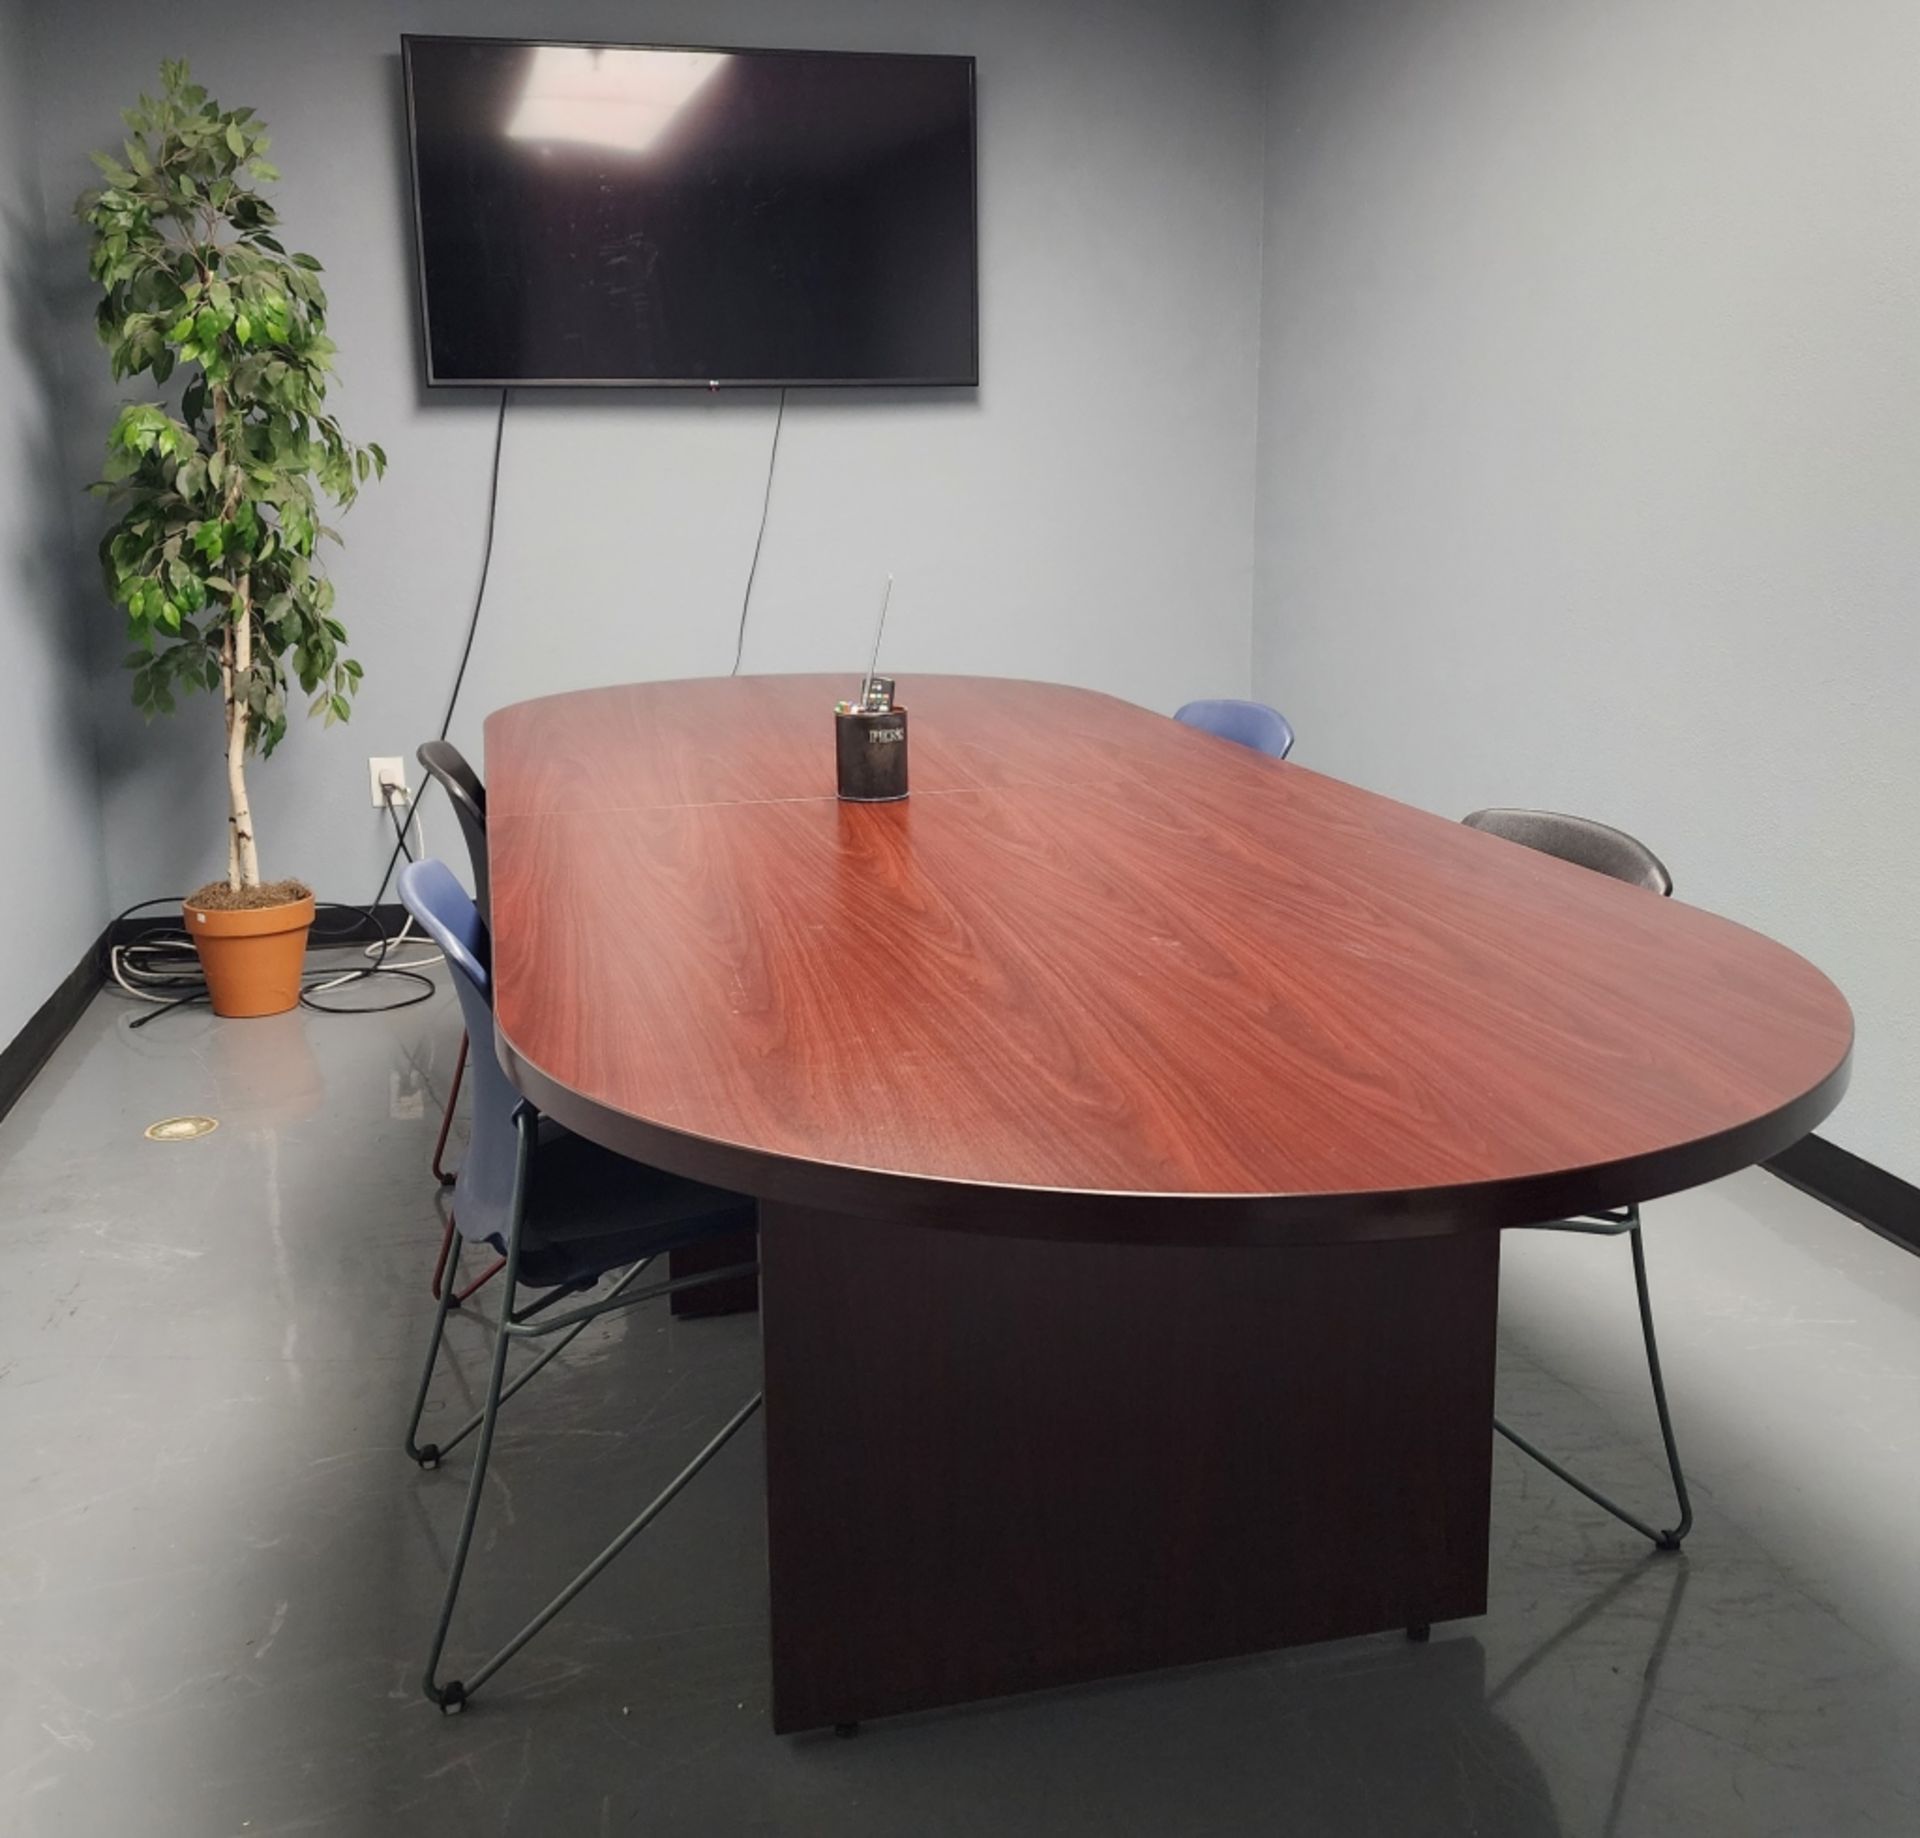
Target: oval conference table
column 1133, row 1118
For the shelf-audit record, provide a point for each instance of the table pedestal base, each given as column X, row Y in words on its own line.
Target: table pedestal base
column 735, row 1295
column 995, row 1465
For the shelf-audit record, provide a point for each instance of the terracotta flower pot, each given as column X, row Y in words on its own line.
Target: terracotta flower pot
column 252, row 958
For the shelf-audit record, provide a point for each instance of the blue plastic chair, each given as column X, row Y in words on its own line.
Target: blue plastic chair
column 563, row 1213
column 1246, row 724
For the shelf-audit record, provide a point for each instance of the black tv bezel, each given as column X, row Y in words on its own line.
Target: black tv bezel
column 971, row 380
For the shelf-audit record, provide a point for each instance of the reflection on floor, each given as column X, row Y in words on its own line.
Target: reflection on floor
column 217, row 1571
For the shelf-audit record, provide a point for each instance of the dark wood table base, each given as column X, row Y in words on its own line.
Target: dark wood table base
column 996, row 1465
column 737, row 1295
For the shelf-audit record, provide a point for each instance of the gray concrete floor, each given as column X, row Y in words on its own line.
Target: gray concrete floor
column 217, row 1570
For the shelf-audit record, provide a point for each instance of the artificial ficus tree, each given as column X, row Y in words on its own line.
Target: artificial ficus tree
column 212, row 553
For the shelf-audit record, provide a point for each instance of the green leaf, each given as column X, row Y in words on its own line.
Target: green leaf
column 225, row 495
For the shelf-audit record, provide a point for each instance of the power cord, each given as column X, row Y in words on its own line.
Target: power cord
column 473, row 628
column 163, row 968
column 760, row 536
column 405, row 936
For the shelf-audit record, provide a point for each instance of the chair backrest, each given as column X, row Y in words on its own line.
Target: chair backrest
column 1248, row 724
column 483, row 1190
column 447, row 766
column 1579, row 840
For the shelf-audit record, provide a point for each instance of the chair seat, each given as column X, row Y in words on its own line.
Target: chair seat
column 590, row 1211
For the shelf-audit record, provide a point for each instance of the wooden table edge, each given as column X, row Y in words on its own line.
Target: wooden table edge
column 1105, row 1216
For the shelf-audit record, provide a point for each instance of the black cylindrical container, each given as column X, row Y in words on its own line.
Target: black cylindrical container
column 872, row 754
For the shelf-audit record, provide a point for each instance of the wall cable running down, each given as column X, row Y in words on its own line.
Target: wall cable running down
column 760, row 536
column 466, row 647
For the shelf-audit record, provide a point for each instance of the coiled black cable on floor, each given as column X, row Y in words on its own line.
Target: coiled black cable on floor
column 163, row 966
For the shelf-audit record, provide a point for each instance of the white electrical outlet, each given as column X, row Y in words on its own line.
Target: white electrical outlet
column 384, row 772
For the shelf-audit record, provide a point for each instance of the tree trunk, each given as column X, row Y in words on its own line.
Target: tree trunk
column 243, row 861
column 236, row 668
column 226, row 714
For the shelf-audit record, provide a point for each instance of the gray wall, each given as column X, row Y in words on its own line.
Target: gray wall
column 1088, row 515
column 49, row 814
column 1590, row 446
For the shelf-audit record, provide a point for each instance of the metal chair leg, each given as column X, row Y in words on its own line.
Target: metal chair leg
column 429, row 1457
column 1669, row 1539
column 485, row 1277
column 440, row 1174
column 453, row 1695
column 442, row 1450
column 440, row 1263
column 627, row 1534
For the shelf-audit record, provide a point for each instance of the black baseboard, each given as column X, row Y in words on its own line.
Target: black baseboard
column 50, row 1023
column 1882, row 1202
column 339, row 925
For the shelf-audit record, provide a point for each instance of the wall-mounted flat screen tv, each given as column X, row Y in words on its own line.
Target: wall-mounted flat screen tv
column 627, row 214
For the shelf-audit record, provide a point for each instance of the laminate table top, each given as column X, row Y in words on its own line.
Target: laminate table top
column 1102, row 976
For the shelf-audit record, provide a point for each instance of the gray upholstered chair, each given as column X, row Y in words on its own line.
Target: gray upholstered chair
column 1611, row 852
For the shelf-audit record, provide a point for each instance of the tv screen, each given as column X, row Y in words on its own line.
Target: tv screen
column 632, row 214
